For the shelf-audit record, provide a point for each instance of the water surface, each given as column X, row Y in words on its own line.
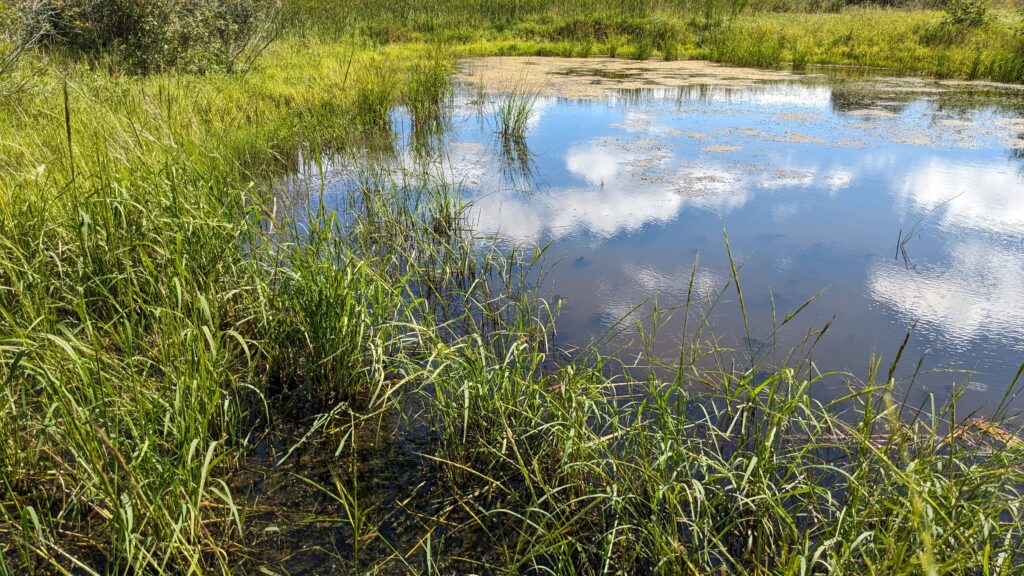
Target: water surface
column 901, row 201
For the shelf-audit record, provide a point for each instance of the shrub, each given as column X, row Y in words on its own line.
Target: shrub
column 18, row 33
column 10, row 47
column 149, row 35
column 966, row 13
column 242, row 29
column 961, row 19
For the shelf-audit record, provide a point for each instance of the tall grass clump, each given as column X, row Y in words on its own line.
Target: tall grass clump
column 644, row 48
column 158, row 313
column 376, row 93
column 428, row 91
column 513, row 112
column 118, row 350
column 331, row 330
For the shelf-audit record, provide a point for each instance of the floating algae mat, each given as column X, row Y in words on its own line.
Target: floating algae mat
column 900, row 200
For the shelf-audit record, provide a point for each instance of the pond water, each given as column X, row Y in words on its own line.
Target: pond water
column 901, row 201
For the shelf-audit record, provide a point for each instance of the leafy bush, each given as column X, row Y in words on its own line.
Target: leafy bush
column 18, row 33
column 149, row 35
column 10, row 48
column 966, row 13
column 962, row 18
column 242, row 30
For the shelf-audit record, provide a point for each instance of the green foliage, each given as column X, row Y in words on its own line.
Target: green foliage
column 614, row 44
column 19, row 32
column 148, row 316
column 961, row 20
column 903, row 38
column 644, row 48
column 513, row 112
column 11, row 47
column 330, row 314
column 376, row 94
column 759, row 45
column 167, row 316
column 428, row 90
column 143, row 36
column 966, row 13
column 800, row 56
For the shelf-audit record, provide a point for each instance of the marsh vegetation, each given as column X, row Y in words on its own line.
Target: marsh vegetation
column 203, row 373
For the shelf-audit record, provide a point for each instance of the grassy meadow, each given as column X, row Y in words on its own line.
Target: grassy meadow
column 201, row 374
column 926, row 41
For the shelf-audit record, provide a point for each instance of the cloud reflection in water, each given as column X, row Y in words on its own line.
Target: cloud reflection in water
column 979, row 292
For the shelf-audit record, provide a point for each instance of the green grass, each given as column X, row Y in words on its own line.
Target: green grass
column 169, row 325
column 512, row 114
column 893, row 42
column 902, row 41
